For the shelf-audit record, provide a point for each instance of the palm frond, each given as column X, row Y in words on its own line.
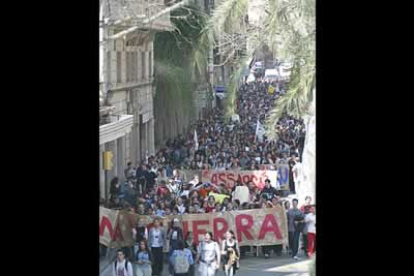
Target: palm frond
column 297, row 99
column 200, row 53
column 227, row 15
column 232, row 87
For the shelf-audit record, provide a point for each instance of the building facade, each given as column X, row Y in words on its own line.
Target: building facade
column 127, row 66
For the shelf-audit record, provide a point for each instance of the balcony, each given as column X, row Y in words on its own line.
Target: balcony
column 114, row 130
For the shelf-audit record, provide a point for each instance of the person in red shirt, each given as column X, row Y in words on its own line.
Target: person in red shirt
column 308, row 203
column 210, row 204
column 305, row 209
column 162, row 190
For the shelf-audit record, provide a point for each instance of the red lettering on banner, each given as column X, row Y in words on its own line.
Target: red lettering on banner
column 219, row 233
column 222, row 178
column 197, row 231
column 244, row 228
column 230, row 177
column 254, row 180
column 246, row 178
column 239, row 178
column 185, row 228
column 272, row 227
column 106, row 223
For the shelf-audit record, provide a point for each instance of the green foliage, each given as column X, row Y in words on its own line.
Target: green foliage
column 232, row 89
column 227, row 16
column 180, row 63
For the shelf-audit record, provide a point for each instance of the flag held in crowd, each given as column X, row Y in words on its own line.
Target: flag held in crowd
column 271, row 89
column 260, row 131
column 195, row 139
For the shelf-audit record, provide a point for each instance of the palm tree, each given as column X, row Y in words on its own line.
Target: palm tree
column 178, row 69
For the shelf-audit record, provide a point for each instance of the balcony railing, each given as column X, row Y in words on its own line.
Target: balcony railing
column 114, row 130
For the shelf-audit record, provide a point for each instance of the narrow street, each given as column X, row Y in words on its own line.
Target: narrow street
column 207, row 133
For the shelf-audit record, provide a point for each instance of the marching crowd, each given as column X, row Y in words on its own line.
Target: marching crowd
column 148, row 258
column 160, row 187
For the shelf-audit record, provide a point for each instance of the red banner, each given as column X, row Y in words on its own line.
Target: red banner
column 229, row 177
column 252, row 227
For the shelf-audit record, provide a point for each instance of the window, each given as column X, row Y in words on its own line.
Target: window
column 131, row 66
column 143, row 69
column 128, row 66
column 108, row 66
column 134, row 61
column 118, row 67
column 150, row 63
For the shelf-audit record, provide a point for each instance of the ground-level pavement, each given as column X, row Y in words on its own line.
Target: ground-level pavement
column 259, row 266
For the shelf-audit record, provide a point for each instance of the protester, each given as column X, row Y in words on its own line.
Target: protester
column 181, row 260
column 139, row 234
column 156, row 242
column 174, row 236
column 310, row 220
column 210, row 204
column 143, row 260
column 114, row 191
column 297, row 174
column 190, row 244
column 122, row 267
column 208, row 255
column 308, row 203
column 305, row 209
column 241, row 193
column 129, row 171
column 268, row 192
column 180, row 206
column 231, row 252
column 296, row 224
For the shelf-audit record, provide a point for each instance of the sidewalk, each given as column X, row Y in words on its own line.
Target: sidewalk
column 105, row 262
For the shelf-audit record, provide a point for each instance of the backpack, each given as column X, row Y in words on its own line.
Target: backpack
column 181, row 264
column 126, row 264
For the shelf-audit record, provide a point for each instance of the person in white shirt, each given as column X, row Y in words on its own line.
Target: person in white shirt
column 297, row 176
column 173, row 187
column 157, row 239
column 208, row 254
column 310, row 220
column 241, row 193
column 180, row 205
column 122, row 267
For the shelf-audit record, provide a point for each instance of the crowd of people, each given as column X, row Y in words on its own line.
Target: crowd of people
column 160, row 187
column 148, row 258
column 213, row 144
